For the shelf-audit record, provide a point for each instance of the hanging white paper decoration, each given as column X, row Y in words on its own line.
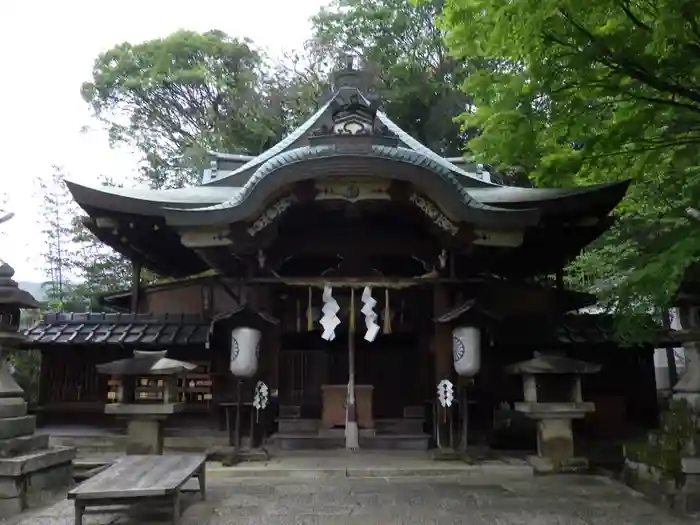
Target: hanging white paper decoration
column 260, row 398
column 329, row 321
column 370, row 315
column 245, row 349
column 466, row 350
column 445, row 390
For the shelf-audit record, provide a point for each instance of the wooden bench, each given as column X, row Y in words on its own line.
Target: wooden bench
column 136, row 479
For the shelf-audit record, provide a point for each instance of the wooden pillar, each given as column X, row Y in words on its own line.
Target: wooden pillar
column 135, row 286
column 267, row 301
column 442, row 353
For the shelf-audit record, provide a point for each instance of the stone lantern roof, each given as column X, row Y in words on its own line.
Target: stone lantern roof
column 146, row 363
column 10, row 292
column 553, row 364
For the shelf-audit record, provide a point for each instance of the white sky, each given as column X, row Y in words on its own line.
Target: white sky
column 48, row 51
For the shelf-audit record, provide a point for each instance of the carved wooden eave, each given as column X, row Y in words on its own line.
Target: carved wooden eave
column 244, row 315
column 468, row 311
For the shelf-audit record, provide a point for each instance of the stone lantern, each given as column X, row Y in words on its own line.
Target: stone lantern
column 27, row 465
column 146, row 396
column 552, row 393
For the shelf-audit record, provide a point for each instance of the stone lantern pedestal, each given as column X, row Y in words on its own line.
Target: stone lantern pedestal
column 552, row 393
column 146, row 397
column 28, row 467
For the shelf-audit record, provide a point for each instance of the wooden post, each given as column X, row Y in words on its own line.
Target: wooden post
column 442, row 350
column 237, row 429
column 352, row 438
column 268, row 367
column 135, row 286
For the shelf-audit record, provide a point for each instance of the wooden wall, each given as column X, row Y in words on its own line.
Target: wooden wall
column 197, row 298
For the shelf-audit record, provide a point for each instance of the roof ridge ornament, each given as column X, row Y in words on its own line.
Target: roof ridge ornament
column 346, row 75
column 352, row 115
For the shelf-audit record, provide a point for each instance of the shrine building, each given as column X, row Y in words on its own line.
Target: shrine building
column 348, row 204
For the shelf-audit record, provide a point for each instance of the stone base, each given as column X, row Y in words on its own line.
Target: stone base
column 555, row 440
column 145, row 436
column 11, row 427
column 23, row 445
column 690, row 492
column 544, row 465
column 230, row 456
column 26, row 480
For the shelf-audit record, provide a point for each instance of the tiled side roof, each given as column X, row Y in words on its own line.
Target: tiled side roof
column 131, row 330
column 571, row 329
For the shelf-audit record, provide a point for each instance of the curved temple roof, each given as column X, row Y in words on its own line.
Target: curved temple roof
column 348, row 137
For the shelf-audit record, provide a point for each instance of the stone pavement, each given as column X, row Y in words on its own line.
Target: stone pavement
column 569, row 500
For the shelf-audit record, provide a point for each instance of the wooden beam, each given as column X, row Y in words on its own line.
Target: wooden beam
column 229, row 291
column 353, row 282
column 135, row 286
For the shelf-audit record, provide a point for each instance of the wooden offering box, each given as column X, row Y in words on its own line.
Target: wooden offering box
column 334, row 405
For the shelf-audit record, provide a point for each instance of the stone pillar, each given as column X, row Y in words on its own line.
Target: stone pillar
column 145, row 436
column 688, row 390
column 555, row 440
column 530, row 388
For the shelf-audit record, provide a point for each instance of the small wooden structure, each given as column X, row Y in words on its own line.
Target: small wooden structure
column 334, row 400
column 146, row 394
column 134, row 479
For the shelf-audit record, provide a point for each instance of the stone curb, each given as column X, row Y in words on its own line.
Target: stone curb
column 509, row 472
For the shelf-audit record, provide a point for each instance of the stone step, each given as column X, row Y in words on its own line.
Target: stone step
column 23, row 444
column 340, row 432
column 291, row 426
column 290, row 411
column 399, row 426
column 376, row 442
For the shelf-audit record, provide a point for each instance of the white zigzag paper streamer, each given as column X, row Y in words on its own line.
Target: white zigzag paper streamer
column 370, row 315
column 329, row 321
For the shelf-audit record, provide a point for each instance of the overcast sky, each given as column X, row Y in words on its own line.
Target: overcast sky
column 48, row 50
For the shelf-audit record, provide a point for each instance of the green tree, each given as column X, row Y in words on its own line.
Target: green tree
column 401, row 45
column 97, row 267
column 175, row 98
column 582, row 93
column 57, row 211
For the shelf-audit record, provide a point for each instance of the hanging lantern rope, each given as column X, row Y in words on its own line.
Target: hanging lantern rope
column 310, row 313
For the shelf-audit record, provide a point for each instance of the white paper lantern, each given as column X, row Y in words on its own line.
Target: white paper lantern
column 245, row 349
column 466, row 350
